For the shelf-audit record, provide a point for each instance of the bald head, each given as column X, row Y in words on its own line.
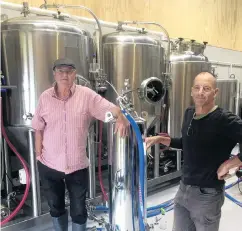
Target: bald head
column 204, row 89
column 206, row 78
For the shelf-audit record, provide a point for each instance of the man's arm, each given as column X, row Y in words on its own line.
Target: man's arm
column 176, row 143
column 122, row 123
column 233, row 130
column 38, row 124
column 227, row 165
column 99, row 106
column 38, row 142
column 165, row 140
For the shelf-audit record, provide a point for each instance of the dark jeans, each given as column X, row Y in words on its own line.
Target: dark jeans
column 197, row 209
column 53, row 184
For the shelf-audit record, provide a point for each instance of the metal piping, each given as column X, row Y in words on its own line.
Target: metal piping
column 162, row 28
column 38, row 11
column 35, row 185
column 225, row 64
column 92, row 165
column 59, row 6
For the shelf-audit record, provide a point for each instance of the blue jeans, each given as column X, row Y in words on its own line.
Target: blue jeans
column 197, row 209
column 53, row 184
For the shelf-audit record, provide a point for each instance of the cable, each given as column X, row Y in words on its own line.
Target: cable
column 14, row 213
column 239, row 187
column 113, row 88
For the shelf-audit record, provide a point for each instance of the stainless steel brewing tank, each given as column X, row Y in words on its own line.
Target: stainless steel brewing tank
column 135, row 56
column 228, row 95
column 30, row 45
column 187, row 60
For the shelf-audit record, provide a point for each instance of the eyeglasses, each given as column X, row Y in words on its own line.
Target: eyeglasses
column 61, row 71
column 189, row 129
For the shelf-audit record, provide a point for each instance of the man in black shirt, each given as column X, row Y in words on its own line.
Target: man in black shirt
column 209, row 133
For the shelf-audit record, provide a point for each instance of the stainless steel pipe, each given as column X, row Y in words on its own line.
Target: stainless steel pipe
column 35, row 182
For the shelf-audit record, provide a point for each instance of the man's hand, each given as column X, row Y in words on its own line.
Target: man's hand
column 157, row 140
column 224, row 168
column 223, row 171
column 122, row 125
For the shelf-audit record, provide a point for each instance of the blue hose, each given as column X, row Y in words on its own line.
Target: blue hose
column 132, row 175
column 233, row 199
column 157, row 212
column 230, row 197
column 163, row 205
column 141, row 167
column 101, row 209
column 233, row 184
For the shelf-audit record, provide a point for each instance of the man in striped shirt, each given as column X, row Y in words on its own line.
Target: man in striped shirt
column 61, row 123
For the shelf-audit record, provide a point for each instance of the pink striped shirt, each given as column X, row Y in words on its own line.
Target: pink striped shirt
column 65, row 126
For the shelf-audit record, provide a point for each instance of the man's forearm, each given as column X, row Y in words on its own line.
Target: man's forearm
column 116, row 111
column 233, row 163
column 38, row 142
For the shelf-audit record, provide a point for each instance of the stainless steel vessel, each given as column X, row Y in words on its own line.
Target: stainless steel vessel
column 124, row 201
column 135, row 66
column 187, row 60
column 29, row 47
column 228, row 95
column 130, row 58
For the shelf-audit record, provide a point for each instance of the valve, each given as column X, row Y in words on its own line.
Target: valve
column 28, row 116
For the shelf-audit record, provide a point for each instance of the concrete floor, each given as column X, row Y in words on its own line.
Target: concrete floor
column 231, row 213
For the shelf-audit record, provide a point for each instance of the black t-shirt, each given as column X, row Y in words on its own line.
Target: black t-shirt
column 207, row 145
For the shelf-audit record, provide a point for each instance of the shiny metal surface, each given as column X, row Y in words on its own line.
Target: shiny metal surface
column 178, row 159
column 35, row 182
column 29, row 47
column 157, row 147
column 151, row 184
column 187, row 60
column 228, row 94
column 135, row 56
column 8, row 176
column 92, row 165
column 4, row 17
column 122, row 171
column 134, row 64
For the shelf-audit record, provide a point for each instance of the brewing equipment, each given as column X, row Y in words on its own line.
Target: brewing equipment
column 228, row 95
column 187, row 60
column 30, row 45
column 135, row 66
column 135, row 61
